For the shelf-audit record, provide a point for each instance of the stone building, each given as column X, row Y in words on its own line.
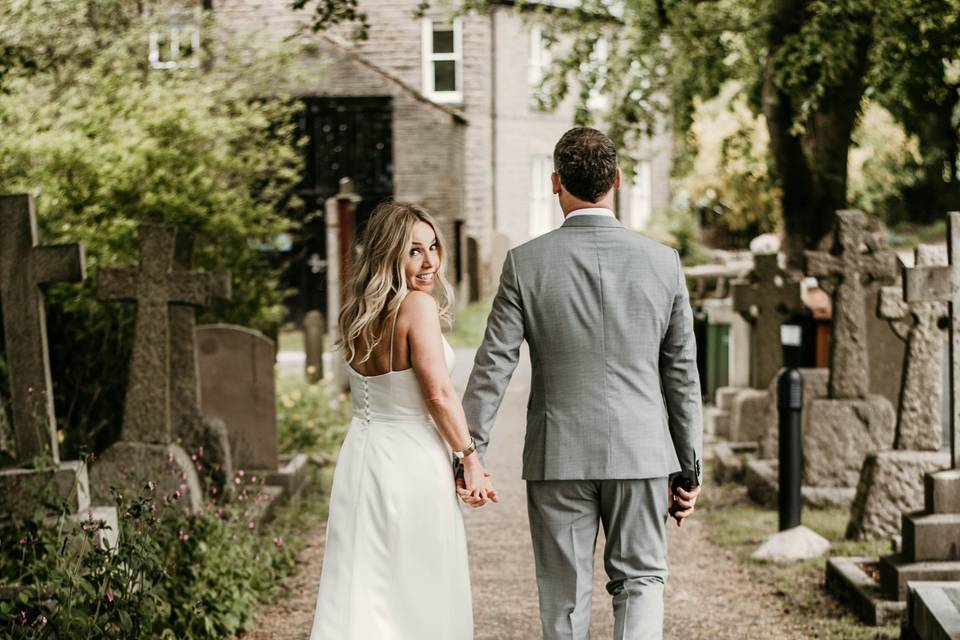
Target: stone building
column 453, row 99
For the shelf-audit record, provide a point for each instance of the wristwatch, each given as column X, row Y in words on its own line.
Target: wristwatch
column 470, row 449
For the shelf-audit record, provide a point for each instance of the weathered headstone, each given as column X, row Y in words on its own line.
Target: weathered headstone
column 943, row 284
column 237, row 379
column 24, row 266
column 766, row 298
column 146, row 450
column 844, row 428
column 238, row 386
column 193, row 429
column 313, row 331
column 891, row 482
column 921, row 324
column 859, row 256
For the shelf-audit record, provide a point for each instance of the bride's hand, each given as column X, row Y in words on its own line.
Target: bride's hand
column 474, row 488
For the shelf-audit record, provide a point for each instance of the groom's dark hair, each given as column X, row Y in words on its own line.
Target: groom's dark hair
column 586, row 161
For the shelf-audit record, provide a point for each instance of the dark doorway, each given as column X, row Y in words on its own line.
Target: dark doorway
column 346, row 138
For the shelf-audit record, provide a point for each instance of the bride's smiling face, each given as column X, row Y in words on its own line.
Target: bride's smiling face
column 423, row 258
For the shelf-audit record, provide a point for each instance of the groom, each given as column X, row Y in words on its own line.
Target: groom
column 613, row 420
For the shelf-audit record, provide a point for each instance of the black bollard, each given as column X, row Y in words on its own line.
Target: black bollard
column 790, row 406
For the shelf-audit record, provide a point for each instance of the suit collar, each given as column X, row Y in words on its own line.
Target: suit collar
column 591, row 221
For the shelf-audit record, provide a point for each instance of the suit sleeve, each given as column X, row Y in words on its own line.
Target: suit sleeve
column 496, row 359
column 681, row 382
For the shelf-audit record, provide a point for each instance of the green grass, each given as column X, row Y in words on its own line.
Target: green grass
column 735, row 523
column 910, row 235
column 469, row 325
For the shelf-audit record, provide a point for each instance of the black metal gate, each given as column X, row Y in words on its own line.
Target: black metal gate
column 347, row 138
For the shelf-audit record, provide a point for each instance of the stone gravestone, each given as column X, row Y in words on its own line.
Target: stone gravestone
column 190, row 427
column 146, row 450
column 237, row 378
column 24, row 266
column 930, row 548
column 765, row 298
column 845, row 427
column 891, row 482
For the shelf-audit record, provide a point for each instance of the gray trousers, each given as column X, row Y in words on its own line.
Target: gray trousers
column 564, row 515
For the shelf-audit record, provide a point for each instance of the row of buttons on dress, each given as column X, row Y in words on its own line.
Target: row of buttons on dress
column 366, row 401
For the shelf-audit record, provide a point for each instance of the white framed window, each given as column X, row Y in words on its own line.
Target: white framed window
column 540, row 59
column 443, row 60
column 177, row 43
column 641, row 195
column 544, row 209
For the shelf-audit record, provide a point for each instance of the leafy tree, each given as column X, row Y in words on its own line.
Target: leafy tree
column 107, row 143
column 804, row 64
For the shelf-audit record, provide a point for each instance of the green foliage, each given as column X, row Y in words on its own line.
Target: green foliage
column 729, row 173
column 106, row 143
column 311, row 418
column 884, row 161
column 469, row 324
column 172, row 574
column 679, row 229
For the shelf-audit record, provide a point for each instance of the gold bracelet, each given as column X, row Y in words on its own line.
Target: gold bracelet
column 470, row 449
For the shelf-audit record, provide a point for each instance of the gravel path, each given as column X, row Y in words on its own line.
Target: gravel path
column 708, row 595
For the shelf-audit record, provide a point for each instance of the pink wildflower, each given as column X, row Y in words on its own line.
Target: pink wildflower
column 23, row 541
column 110, row 597
column 22, row 617
column 177, row 494
column 241, row 473
column 183, row 486
column 184, row 536
column 151, row 485
column 169, row 456
column 250, row 525
column 278, row 542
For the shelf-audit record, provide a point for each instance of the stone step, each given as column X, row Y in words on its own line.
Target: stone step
column 897, row 571
column 931, row 536
column 716, row 421
column 941, row 491
column 725, row 396
column 933, row 611
column 848, row 582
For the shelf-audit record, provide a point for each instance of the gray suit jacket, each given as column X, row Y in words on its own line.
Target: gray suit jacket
column 615, row 392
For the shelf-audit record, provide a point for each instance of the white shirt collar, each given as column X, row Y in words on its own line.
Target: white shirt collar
column 591, row 211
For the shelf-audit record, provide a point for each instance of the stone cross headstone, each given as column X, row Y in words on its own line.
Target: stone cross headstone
column 154, row 286
column 766, row 298
column 943, row 284
column 921, row 325
column 24, row 266
column 859, row 256
column 187, row 420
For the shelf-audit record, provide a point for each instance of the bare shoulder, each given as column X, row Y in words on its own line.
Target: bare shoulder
column 419, row 306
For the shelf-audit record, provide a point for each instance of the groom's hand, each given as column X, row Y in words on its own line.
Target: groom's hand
column 475, row 501
column 681, row 502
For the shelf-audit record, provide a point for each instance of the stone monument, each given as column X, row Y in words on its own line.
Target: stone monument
column 146, row 449
column 766, row 298
column 238, row 386
column 24, row 266
column 930, row 547
column 843, row 428
column 891, row 482
column 191, row 428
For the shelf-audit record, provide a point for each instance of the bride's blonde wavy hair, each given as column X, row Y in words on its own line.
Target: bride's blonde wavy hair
column 378, row 284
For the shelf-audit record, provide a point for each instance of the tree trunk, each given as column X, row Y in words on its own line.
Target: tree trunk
column 811, row 167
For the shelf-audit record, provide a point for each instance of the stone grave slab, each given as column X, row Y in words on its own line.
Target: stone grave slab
column 839, row 435
column 847, row 580
column 933, row 611
column 19, row 487
column 130, row 465
column 814, row 388
column 890, row 484
column 751, row 413
column 238, row 386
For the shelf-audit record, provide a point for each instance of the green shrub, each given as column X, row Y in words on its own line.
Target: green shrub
column 172, row 574
column 311, row 418
column 106, row 144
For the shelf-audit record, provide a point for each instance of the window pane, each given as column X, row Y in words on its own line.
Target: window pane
column 443, row 39
column 445, row 75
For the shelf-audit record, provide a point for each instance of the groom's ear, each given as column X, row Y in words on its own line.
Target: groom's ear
column 618, row 179
column 555, row 180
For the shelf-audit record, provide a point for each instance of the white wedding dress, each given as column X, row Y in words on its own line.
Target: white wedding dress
column 395, row 564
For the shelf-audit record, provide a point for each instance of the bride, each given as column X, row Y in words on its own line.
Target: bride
column 395, row 564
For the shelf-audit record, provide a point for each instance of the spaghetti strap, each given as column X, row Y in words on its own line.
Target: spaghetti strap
column 393, row 331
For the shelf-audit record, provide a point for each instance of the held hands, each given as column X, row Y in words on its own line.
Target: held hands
column 474, row 487
column 681, row 502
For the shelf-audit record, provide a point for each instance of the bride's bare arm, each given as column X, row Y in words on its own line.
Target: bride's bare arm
column 420, row 314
